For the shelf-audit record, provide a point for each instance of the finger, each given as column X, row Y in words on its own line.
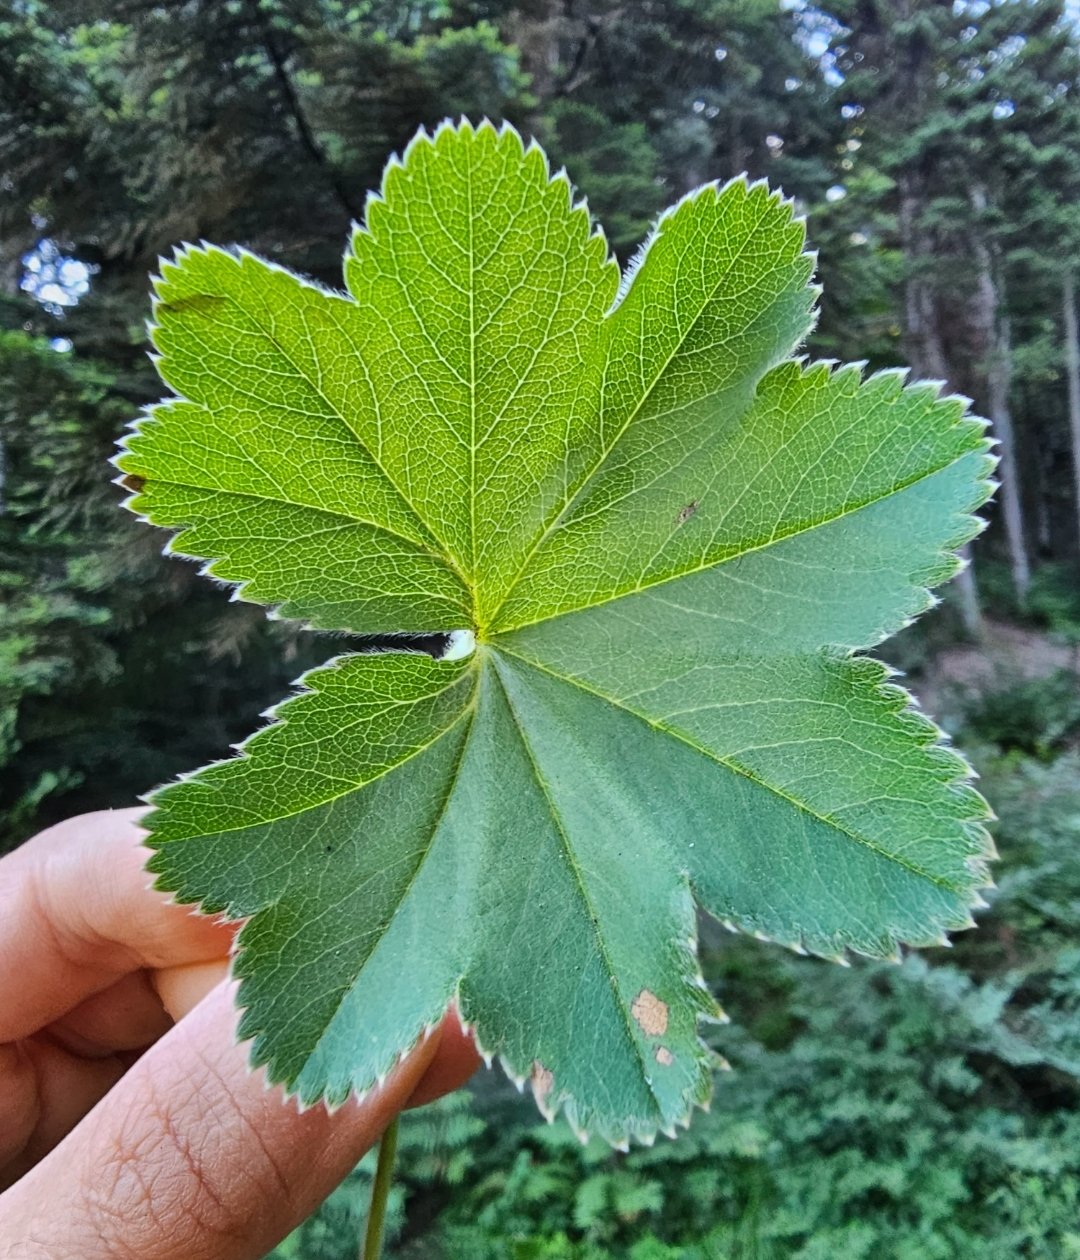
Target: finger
column 191, row 1156
column 44, row 1092
column 127, row 1016
column 77, row 913
column 181, row 989
column 456, row 1061
column 49, row 1082
column 18, row 1102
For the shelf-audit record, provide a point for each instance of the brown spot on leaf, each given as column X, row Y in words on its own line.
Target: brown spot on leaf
column 542, row 1082
column 664, row 1056
column 686, row 512
column 651, row 1013
column 200, row 303
column 133, row 482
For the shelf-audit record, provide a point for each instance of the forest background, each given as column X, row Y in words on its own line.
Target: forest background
column 924, row 1111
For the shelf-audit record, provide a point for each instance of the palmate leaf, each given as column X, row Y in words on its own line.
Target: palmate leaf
column 660, row 541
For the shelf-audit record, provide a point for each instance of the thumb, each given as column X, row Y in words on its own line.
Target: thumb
column 191, row 1156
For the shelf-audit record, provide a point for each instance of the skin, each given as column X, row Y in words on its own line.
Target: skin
column 131, row 1127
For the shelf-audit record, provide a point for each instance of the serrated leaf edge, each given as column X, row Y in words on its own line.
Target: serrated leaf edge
column 936, row 737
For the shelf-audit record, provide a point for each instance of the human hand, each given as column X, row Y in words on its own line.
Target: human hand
column 178, row 1151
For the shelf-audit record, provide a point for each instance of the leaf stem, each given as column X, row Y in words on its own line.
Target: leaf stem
column 380, row 1193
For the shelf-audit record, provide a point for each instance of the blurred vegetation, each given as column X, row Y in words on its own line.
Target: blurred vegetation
column 917, row 1111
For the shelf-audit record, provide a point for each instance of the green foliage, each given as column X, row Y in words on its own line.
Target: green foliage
column 1055, row 600
column 997, row 589
column 1035, row 715
column 49, row 606
column 1038, row 897
column 628, row 498
column 110, row 674
column 617, row 163
column 437, row 1150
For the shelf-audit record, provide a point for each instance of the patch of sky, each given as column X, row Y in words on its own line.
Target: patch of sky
column 53, row 278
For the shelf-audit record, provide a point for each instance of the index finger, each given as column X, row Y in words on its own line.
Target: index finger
column 77, row 913
column 192, row 1157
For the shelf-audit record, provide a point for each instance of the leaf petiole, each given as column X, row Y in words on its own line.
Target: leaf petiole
column 380, row 1193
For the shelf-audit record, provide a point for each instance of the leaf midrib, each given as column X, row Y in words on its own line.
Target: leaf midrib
column 470, row 713
column 579, row 883
column 572, row 497
column 337, row 411
column 734, row 766
column 466, row 710
column 801, row 528
column 337, row 513
column 471, row 255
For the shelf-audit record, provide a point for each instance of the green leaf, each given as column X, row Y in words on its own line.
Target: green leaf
column 660, row 542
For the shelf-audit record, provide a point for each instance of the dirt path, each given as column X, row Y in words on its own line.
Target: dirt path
column 1008, row 654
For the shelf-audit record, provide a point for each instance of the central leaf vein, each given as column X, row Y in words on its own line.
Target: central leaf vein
column 582, row 889
column 734, row 766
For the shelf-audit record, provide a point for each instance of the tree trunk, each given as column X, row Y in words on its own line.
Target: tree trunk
column 11, row 271
column 537, row 31
column 926, row 354
column 353, row 206
column 922, row 337
column 999, row 376
column 967, row 597
column 993, row 326
column 1072, row 372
